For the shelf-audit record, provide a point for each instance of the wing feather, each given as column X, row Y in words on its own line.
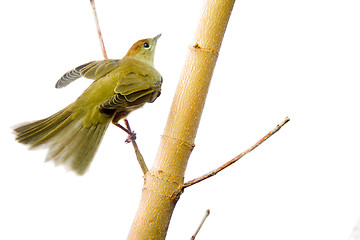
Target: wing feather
column 92, row 70
column 134, row 89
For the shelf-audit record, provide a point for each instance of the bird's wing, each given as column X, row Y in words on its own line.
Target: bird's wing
column 92, row 70
column 132, row 90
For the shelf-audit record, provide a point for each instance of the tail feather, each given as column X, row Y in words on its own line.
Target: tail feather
column 69, row 140
column 85, row 152
column 65, row 143
column 35, row 133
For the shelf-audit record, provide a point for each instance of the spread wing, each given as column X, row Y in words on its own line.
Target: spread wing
column 92, row 70
column 134, row 90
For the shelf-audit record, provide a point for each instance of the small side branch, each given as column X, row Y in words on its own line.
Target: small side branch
column 201, row 223
column 137, row 151
column 98, row 29
column 132, row 136
column 222, row 167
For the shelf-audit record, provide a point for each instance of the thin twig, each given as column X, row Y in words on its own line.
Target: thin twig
column 215, row 171
column 137, row 151
column 127, row 129
column 202, row 222
column 98, row 29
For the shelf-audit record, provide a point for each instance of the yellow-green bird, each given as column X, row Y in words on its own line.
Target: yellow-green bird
column 120, row 86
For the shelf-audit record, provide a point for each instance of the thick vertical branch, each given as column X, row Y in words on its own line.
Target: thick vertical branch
column 163, row 183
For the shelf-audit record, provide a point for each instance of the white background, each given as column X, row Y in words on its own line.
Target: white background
column 279, row 58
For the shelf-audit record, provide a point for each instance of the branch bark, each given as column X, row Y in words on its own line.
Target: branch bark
column 164, row 181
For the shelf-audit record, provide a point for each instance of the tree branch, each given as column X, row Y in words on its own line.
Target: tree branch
column 222, row 167
column 163, row 182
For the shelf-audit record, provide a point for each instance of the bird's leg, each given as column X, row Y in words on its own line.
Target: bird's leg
column 131, row 135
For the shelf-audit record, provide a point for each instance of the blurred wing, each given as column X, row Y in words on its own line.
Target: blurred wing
column 132, row 90
column 92, row 70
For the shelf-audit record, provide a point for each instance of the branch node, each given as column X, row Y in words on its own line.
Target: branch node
column 196, row 47
column 180, row 142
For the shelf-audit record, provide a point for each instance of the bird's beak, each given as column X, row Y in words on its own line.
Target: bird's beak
column 157, row 37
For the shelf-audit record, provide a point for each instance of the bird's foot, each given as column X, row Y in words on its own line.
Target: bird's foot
column 131, row 137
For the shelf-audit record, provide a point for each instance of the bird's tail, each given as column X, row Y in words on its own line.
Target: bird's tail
column 69, row 139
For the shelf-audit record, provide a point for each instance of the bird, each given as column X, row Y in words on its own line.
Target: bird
column 120, row 86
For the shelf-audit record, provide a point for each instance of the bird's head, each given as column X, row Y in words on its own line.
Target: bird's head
column 144, row 50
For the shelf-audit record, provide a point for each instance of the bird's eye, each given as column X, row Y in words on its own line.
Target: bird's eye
column 146, row 45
